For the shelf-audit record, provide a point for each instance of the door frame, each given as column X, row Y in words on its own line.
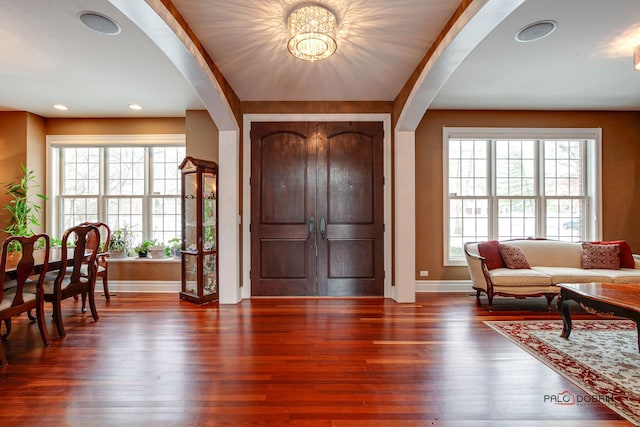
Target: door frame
column 248, row 119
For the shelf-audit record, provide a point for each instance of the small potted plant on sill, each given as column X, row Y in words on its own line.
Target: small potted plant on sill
column 120, row 242
column 143, row 248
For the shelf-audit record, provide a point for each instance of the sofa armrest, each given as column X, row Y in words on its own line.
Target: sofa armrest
column 477, row 267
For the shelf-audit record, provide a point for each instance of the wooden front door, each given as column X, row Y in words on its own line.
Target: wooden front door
column 317, row 214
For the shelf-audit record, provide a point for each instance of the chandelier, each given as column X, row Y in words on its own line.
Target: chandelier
column 313, row 32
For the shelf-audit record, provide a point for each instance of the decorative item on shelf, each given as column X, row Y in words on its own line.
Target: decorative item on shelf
column 23, row 213
column 120, row 242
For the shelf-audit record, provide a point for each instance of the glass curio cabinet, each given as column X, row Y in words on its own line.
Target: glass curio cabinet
column 199, row 230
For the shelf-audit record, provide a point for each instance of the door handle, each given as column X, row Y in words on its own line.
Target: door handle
column 312, row 227
column 323, row 228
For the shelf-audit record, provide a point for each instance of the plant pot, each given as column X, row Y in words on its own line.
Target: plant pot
column 117, row 253
column 142, row 254
column 157, row 252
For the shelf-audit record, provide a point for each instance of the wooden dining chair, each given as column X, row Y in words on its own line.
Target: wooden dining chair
column 19, row 273
column 73, row 278
column 101, row 259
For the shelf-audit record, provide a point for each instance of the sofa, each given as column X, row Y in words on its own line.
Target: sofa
column 533, row 267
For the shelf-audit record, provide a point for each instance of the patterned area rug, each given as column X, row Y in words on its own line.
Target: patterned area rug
column 601, row 357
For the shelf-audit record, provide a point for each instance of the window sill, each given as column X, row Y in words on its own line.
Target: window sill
column 138, row 259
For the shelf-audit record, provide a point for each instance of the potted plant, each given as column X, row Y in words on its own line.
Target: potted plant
column 143, row 248
column 23, row 212
column 120, row 242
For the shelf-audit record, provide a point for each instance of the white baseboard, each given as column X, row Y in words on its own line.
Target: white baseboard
column 443, row 286
column 119, row 286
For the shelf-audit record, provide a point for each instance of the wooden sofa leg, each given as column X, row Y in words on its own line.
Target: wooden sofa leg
column 549, row 298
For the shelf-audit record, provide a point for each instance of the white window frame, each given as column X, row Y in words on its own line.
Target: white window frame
column 593, row 171
column 54, row 174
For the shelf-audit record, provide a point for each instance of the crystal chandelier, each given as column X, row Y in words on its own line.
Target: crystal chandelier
column 313, row 32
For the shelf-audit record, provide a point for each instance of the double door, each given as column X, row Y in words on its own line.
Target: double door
column 316, row 209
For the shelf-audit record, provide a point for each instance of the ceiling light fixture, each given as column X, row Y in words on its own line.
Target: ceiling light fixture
column 313, row 32
column 60, row 107
column 135, row 106
column 636, row 58
column 536, row 31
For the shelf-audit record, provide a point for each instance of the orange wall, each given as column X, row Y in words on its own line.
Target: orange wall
column 13, row 153
column 620, row 169
column 162, row 125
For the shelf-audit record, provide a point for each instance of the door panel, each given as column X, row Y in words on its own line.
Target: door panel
column 350, row 195
column 317, row 214
column 283, row 179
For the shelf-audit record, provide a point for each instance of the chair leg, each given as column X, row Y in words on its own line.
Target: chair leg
column 7, row 324
column 30, row 316
column 57, row 316
column 3, row 358
column 84, row 301
column 105, row 285
column 42, row 323
column 92, row 303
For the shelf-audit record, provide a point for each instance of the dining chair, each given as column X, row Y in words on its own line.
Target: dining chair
column 101, row 258
column 73, row 279
column 18, row 269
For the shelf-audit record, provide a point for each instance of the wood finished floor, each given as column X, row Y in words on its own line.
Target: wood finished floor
column 154, row 360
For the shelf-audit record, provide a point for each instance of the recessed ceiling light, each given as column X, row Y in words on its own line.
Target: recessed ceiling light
column 100, row 23
column 536, row 31
column 60, row 107
column 135, row 107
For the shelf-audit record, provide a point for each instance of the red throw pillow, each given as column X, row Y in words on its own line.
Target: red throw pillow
column 490, row 250
column 626, row 256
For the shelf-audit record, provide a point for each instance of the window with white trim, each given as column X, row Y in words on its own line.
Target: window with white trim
column 518, row 183
column 129, row 181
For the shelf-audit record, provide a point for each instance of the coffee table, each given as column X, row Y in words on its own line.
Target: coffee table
column 602, row 299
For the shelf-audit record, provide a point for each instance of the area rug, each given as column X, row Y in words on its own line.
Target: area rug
column 601, row 357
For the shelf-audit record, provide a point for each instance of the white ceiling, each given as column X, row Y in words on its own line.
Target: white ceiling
column 47, row 56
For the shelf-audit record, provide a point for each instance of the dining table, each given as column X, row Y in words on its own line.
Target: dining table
column 55, row 261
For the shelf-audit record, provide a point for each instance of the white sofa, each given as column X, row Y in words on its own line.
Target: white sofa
column 551, row 262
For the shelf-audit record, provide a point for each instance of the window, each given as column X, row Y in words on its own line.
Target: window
column 517, row 183
column 125, row 181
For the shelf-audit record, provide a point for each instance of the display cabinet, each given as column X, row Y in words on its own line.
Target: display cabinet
column 199, row 230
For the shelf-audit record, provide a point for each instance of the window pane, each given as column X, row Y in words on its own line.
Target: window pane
column 125, row 170
column 165, row 178
column 468, row 221
column 515, row 168
column 516, row 218
column 80, row 168
column 468, row 168
column 565, row 219
column 126, row 212
column 563, row 164
column 77, row 210
column 166, row 219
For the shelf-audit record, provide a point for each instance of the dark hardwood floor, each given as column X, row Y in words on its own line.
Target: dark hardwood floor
column 152, row 360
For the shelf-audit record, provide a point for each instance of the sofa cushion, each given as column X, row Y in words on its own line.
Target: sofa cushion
column 575, row 275
column 626, row 256
column 625, row 275
column 513, row 257
column 490, row 250
column 523, row 277
column 600, row 256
